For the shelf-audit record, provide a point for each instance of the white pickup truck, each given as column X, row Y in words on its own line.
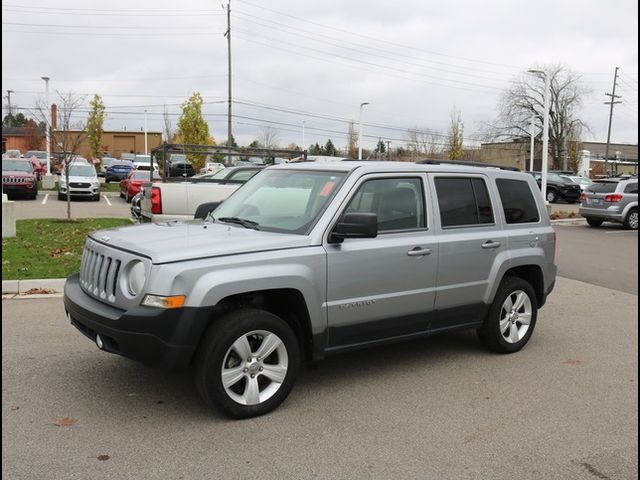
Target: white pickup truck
column 163, row 201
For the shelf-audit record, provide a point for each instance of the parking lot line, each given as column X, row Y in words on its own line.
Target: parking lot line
column 621, row 231
column 106, row 199
column 45, row 199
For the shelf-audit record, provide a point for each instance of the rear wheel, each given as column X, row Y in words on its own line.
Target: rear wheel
column 594, row 222
column 511, row 318
column 248, row 363
column 631, row 222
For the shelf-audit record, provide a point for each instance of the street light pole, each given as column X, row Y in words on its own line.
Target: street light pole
column 48, row 123
column 545, row 130
column 360, row 131
column 533, row 144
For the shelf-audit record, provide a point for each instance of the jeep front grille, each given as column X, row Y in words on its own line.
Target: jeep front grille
column 16, row 180
column 99, row 274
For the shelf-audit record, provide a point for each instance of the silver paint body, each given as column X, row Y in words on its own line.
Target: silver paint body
column 345, row 284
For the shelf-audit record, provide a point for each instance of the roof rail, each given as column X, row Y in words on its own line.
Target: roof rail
column 468, row 164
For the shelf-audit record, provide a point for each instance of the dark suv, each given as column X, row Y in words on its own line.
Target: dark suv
column 558, row 188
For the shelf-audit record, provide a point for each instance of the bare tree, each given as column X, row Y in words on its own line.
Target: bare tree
column 67, row 131
column 352, row 141
column 268, row 136
column 525, row 98
column 167, row 126
column 424, row 141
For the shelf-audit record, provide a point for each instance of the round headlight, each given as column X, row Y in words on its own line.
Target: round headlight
column 136, row 278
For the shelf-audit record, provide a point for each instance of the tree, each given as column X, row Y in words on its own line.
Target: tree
column 95, row 124
column 525, row 98
column 193, row 128
column 32, row 136
column 329, row 149
column 456, row 149
column 69, row 133
column 316, row 149
column 11, row 120
column 424, row 141
column 167, row 126
column 268, row 136
column 380, row 148
column 352, row 141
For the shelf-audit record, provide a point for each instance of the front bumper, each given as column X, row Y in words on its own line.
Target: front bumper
column 165, row 337
column 19, row 188
column 80, row 192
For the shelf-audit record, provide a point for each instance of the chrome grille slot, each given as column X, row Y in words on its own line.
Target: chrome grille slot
column 99, row 272
column 112, row 278
column 102, row 278
column 95, row 278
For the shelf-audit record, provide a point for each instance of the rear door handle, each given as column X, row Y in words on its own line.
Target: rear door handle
column 490, row 244
column 419, row 252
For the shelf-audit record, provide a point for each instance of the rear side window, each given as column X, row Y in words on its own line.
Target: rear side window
column 463, row 201
column 518, row 202
column 631, row 188
column 602, row 187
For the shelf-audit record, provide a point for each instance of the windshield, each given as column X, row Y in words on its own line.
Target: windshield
column 81, row 171
column 37, row 154
column 220, row 173
column 284, row 201
column 16, row 166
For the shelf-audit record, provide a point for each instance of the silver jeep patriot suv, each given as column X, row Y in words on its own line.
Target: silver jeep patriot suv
column 308, row 260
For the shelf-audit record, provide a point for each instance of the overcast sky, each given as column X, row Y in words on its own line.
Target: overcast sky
column 316, row 61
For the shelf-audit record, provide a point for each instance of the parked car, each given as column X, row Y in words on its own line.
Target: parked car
column 239, row 173
column 558, row 188
column 582, row 181
column 13, row 154
column 309, row 260
column 611, row 200
column 130, row 186
column 104, row 164
column 82, row 182
column 143, row 162
column 128, row 156
column 181, row 169
column 211, row 167
column 38, row 168
column 19, row 178
column 39, row 154
column 117, row 170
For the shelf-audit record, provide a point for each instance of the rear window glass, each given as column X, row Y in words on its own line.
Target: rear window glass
column 602, row 187
column 463, row 201
column 517, row 200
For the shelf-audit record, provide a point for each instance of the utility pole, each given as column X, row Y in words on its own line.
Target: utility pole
column 388, row 142
column 9, row 92
column 533, row 145
column 611, row 103
column 228, row 35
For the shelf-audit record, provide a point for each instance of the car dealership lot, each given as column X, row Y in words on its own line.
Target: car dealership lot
column 564, row 407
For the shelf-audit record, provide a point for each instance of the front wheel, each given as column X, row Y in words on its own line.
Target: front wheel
column 552, row 196
column 631, row 222
column 511, row 318
column 248, row 363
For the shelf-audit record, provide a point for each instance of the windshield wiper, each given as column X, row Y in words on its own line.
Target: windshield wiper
column 240, row 221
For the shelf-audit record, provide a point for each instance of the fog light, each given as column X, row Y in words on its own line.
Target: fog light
column 99, row 342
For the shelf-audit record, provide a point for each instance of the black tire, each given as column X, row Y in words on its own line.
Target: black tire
column 594, row 222
column 490, row 333
column 216, row 350
column 96, row 198
column 121, row 194
column 127, row 198
column 552, row 196
column 61, row 196
column 107, row 180
column 631, row 222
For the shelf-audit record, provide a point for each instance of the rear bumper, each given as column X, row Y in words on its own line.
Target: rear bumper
column 612, row 213
column 167, row 337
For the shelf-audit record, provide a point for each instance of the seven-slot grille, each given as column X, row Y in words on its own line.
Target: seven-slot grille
column 99, row 274
column 79, row 185
column 17, row 180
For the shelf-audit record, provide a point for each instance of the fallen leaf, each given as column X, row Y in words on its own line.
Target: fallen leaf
column 572, row 361
column 15, row 408
column 103, row 457
column 58, row 252
column 65, row 422
column 37, row 291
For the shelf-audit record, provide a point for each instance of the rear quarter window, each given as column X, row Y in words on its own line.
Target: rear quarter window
column 517, row 199
column 631, row 188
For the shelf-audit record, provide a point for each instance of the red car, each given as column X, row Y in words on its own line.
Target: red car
column 130, row 185
column 18, row 177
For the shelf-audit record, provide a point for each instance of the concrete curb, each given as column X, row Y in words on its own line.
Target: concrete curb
column 23, row 286
column 576, row 220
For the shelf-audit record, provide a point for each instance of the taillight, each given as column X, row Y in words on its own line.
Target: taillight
column 613, row 198
column 156, row 200
column 583, row 197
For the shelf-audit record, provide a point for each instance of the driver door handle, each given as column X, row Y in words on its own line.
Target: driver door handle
column 490, row 244
column 419, row 252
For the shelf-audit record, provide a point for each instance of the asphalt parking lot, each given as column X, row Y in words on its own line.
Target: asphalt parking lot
column 563, row 408
column 47, row 205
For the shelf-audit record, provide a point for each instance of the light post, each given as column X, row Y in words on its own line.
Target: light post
column 360, row 131
column 146, row 150
column 47, row 126
column 545, row 130
column 303, row 143
column 533, row 144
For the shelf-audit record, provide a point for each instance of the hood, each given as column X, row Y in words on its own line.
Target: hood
column 17, row 173
column 175, row 241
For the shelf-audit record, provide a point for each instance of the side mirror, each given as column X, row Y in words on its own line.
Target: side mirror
column 355, row 225
column 204, row 209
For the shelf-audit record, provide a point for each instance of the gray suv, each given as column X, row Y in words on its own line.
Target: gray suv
column 307, row 260
column 611, row 200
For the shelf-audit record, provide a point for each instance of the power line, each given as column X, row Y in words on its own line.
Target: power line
column 110, row 27
column 61, row 12
column 145, row 10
